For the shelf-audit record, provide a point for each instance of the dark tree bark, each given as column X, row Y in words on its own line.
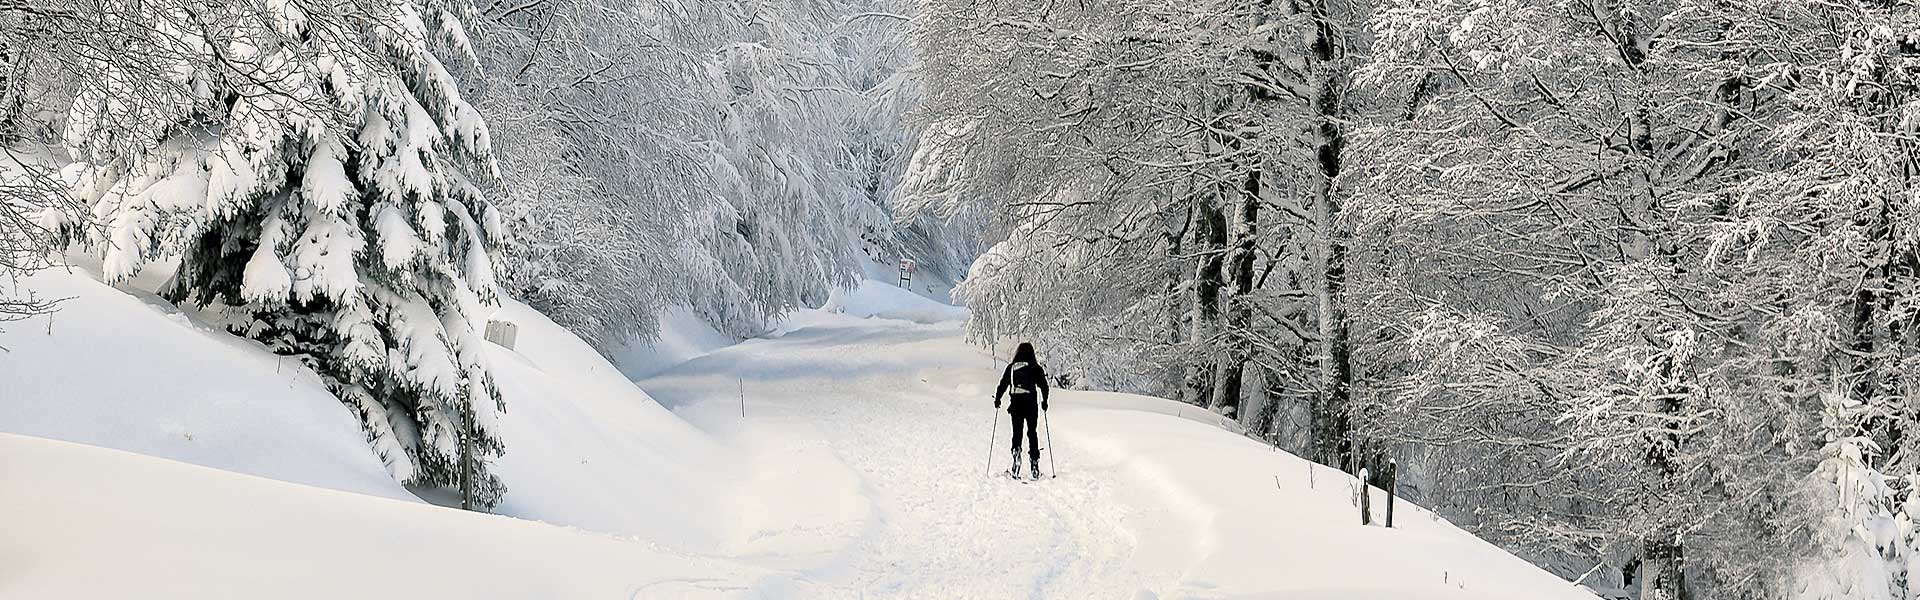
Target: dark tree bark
column 1210, row 241
column 1332, row 428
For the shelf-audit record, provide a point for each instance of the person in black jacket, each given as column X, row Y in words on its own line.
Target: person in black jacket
column 1028, row 382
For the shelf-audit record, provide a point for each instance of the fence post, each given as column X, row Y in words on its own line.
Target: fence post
column 1366, row 499
column 1393, row 484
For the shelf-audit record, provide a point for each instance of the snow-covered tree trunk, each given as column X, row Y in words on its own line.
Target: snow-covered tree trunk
column 1243, row 236
column 1662, row 574
column 1328, row 66
column 12, row 90
column 1209, row 248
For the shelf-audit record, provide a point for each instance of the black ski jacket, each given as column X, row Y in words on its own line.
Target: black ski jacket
column 1029, row 385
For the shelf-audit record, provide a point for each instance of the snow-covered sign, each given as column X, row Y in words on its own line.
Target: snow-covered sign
column 502, row 333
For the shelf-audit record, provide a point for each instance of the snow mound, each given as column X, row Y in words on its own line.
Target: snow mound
column 86, row 522
column 124, row 369
column 588, row 448
column 129, row 370
column 873, row 299
column 683, row 337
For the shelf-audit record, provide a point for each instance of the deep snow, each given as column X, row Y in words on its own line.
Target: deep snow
column 89, row 522
column 124, row 369
column 870, row 445
column 858, row 470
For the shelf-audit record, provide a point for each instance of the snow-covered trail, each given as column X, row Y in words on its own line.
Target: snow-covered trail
column 868, row 439
column 883, row 426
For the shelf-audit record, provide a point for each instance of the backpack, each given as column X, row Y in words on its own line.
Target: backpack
column 1021, row 384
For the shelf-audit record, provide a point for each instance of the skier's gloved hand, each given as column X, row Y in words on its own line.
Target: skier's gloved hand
column 1043, row 405
column 996, row 403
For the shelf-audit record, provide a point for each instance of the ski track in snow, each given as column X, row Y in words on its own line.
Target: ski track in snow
column 902, row 406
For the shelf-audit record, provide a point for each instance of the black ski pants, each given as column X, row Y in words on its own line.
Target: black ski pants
column 1026, row 419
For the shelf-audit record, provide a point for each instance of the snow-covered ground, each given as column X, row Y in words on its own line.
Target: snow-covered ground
column 88, row 522
column 683, row 336
column 129, row 370
column 124, row 369
column 869, row 444
column 843, row 456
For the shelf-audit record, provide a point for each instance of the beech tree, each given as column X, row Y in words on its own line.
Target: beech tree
column 1164, row 188
column 1632, row 273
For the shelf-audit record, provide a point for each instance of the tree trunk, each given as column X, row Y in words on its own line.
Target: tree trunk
column 1332, row 422
column 1178, row 220
column 12, row 101
column 1227, row 393
column 466, row 463
column 1209, row 231
column 1661, row 577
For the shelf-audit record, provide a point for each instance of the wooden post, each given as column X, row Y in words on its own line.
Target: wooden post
column 1393, row 475
column 1366, row 499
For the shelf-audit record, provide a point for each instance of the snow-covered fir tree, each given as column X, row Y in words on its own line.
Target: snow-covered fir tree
column 318, row 172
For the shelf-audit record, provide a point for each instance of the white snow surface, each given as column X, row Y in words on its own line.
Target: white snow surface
column 129, row 370
column 89, row 522
column 683, row 336
column 885, row 301
column 859, row 469
column 122, row 368
column 869, row 444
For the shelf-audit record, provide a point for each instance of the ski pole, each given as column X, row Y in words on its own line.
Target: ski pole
column 990, row 438
column 1055, row 466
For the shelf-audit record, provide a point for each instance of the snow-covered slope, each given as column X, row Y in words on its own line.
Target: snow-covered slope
column 123, row 369
column 587, row 448
column 88, row 522
column 885, row 301
column 131, row 371
column 683, row 336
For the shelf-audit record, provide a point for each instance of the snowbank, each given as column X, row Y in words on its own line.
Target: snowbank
column 124, row 369
column 886, row 301
column 1239, row 518
column 86, row 522
column 131, row 371
column 683, row 337
column 586, row 447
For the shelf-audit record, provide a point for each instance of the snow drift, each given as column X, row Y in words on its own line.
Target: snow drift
column 124, row 369
column 87, row 522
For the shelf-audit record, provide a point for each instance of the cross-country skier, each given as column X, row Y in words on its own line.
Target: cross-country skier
column 1028, row 382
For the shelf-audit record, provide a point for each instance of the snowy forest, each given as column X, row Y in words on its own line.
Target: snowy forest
column 1629, row 288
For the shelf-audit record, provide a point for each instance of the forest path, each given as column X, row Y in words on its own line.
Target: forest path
column 869, row 475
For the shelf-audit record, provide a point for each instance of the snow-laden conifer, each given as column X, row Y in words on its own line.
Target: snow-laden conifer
column 318, row 173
